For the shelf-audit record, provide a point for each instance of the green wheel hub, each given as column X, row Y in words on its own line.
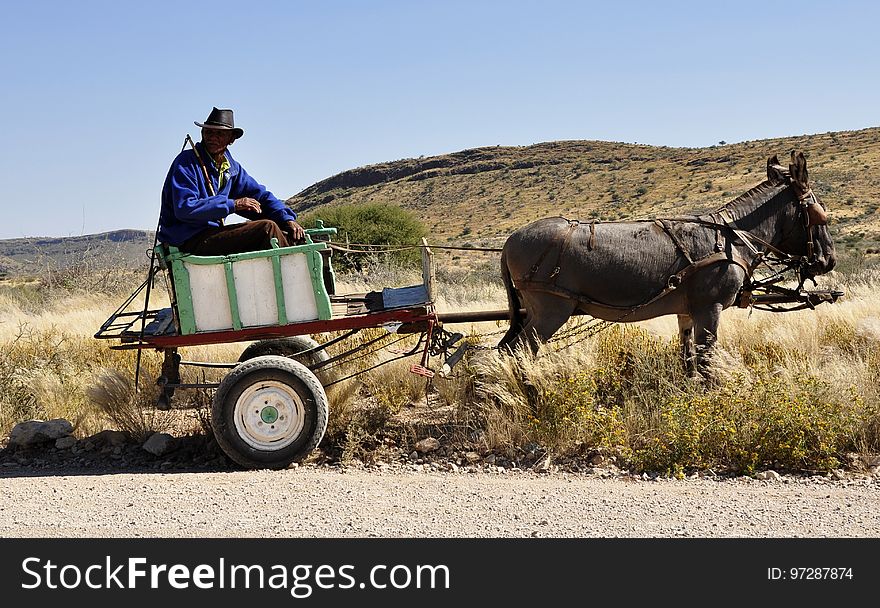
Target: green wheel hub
column 269, row 414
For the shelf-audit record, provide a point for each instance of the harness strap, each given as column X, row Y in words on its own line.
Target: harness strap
column 672, row 284
column 675, row 240
column 807, row 200
column 572, row 224
column 744, row 236
column 537, row 264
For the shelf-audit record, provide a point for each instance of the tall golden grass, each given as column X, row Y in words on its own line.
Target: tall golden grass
column 795, row 391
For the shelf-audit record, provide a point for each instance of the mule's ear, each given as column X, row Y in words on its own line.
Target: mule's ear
column 773, row 172
column 798, row 167
column 802, row 163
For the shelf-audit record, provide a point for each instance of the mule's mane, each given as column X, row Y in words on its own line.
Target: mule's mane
column 750, row 200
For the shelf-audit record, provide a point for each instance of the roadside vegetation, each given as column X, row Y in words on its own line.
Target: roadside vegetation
column 795, row 391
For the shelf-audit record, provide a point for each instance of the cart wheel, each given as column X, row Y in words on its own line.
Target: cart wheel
column 290, row 347
column 269, row 412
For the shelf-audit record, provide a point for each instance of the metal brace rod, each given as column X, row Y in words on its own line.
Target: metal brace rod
column 207, row 364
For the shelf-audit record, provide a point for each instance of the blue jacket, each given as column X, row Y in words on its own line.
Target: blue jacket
column 188, row 208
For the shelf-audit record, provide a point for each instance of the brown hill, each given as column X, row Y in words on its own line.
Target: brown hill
column 118, row 248
column 479, row 196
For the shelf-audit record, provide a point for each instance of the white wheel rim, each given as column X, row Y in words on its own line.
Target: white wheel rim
column 269, row 415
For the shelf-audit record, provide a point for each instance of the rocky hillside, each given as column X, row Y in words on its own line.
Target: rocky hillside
column 479, row 196
column 126, row 248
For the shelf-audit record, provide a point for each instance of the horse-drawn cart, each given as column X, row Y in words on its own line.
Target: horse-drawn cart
column 271, row 409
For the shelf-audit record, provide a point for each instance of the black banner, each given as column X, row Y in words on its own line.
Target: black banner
column 432, row 572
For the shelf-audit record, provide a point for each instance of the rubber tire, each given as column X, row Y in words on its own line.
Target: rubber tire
column 290, row 347
column 295, row 376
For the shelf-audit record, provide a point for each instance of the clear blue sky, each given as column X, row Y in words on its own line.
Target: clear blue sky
column 97, row 96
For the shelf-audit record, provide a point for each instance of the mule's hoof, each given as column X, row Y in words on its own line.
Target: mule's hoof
column 163, row 403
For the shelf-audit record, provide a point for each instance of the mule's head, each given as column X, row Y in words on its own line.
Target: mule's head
column 807, row 232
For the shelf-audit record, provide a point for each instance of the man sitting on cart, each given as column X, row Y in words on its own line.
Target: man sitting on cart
column 205, row 184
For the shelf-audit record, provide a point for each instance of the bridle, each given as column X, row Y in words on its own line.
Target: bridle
column 814, row 215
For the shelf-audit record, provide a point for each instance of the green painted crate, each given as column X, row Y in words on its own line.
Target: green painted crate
column 260, row 288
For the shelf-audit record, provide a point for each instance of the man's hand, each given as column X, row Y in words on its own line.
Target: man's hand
column 296, row 232
column 247, row 204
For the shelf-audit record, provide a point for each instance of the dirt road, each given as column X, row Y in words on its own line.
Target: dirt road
column 356, row 502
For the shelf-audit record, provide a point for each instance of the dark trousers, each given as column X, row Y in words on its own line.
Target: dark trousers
column 236, row 238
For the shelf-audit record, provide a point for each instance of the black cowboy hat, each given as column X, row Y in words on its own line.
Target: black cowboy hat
column 221, row 119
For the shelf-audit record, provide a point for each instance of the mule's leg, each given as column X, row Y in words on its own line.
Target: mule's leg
column 705, row 336
column 546, row 314
column 686, row 335
column 513, row 305
column 516, row 327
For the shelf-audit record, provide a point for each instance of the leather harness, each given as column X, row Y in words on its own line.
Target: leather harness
column 806, row 200
column 672, row 283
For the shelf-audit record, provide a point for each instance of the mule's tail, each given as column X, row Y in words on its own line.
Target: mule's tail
column 513, row 306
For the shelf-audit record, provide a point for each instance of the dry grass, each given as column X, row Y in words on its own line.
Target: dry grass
column 112, row 392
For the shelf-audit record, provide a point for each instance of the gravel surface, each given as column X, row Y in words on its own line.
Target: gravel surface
column 108, row 485
column 414, row 501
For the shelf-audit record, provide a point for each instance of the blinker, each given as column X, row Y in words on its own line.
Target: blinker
column 817, row 215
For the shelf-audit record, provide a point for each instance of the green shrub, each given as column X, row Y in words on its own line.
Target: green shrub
column 742, row 427
column 378, row 226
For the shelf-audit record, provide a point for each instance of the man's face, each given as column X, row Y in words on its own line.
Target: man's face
column 216, row 140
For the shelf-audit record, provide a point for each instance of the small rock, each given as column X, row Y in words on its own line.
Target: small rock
column 544, row 465
column 428, row 444
column 34, row 432
column 414, row 455
column 871, row 461
column 768, row 475
column 490, row 459
column 472, row 457
column 65, row 443
column 110, row 438
column 159, row 444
